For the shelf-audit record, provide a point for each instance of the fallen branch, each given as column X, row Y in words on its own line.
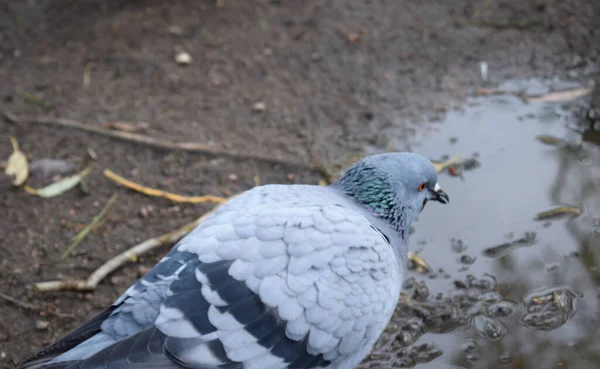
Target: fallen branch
column 110, row 266
column 150, row 141
column 159, row 193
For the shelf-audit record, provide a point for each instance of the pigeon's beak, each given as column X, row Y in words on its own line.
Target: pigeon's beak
column 438, row 195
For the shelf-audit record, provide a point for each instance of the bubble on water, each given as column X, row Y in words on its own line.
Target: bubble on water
column 486, row 283
column 548, row 308
column 490, row 297
column 488, row 328
column 472, row 357
column 502, row 309
column 505, row 358
column 470, row 346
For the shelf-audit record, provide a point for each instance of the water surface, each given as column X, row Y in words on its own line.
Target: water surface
column 495, row 204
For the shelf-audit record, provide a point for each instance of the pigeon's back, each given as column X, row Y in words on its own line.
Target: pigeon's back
column 278, row 277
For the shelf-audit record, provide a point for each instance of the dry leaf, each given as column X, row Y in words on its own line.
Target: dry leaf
column 61, row 186
column 17, row 166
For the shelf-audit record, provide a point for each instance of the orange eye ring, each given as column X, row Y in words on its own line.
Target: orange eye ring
column 422, row 186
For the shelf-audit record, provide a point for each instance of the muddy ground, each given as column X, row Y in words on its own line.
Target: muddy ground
column 334, row 77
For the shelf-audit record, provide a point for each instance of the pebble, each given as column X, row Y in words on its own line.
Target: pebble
column 183, row 58
column 42, row 325
column 259, row 107
column 175, row 30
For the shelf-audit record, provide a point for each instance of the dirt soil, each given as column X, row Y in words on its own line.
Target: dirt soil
column 333, row 77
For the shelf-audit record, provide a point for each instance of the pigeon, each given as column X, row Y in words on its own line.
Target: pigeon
column 280, row 276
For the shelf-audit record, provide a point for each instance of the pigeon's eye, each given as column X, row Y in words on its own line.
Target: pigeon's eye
column 422, row 186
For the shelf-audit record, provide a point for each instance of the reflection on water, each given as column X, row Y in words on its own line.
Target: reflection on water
column 544, row 311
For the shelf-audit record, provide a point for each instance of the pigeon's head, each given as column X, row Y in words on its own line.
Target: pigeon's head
column 395, row 186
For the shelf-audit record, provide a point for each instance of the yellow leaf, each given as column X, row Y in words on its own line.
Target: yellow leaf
column 17, row 166
column 61, row 186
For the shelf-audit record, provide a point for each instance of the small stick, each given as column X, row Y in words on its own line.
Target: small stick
column 111, row 265
column 31, row 307
column 159, row 193
column 151, row 141
column 22, row 304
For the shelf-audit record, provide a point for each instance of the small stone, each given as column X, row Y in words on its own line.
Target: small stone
column 42, row 325
column 93, row 155
column 290, row 177
column 233, row 177
column 142, row 270
column 146, row 210
column 352, row 38
column 175, row 30
column 259, row 107
column 183, row 58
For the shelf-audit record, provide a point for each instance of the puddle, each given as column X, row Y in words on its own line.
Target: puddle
column 539, row 308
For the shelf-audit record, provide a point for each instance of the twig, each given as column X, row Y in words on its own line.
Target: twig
column 32, row 307
column 159, row 193
column 110, row 266
column 84, row 232
column 151, row 141
column 22, row 304
column 556, row 96
column 559, row 96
